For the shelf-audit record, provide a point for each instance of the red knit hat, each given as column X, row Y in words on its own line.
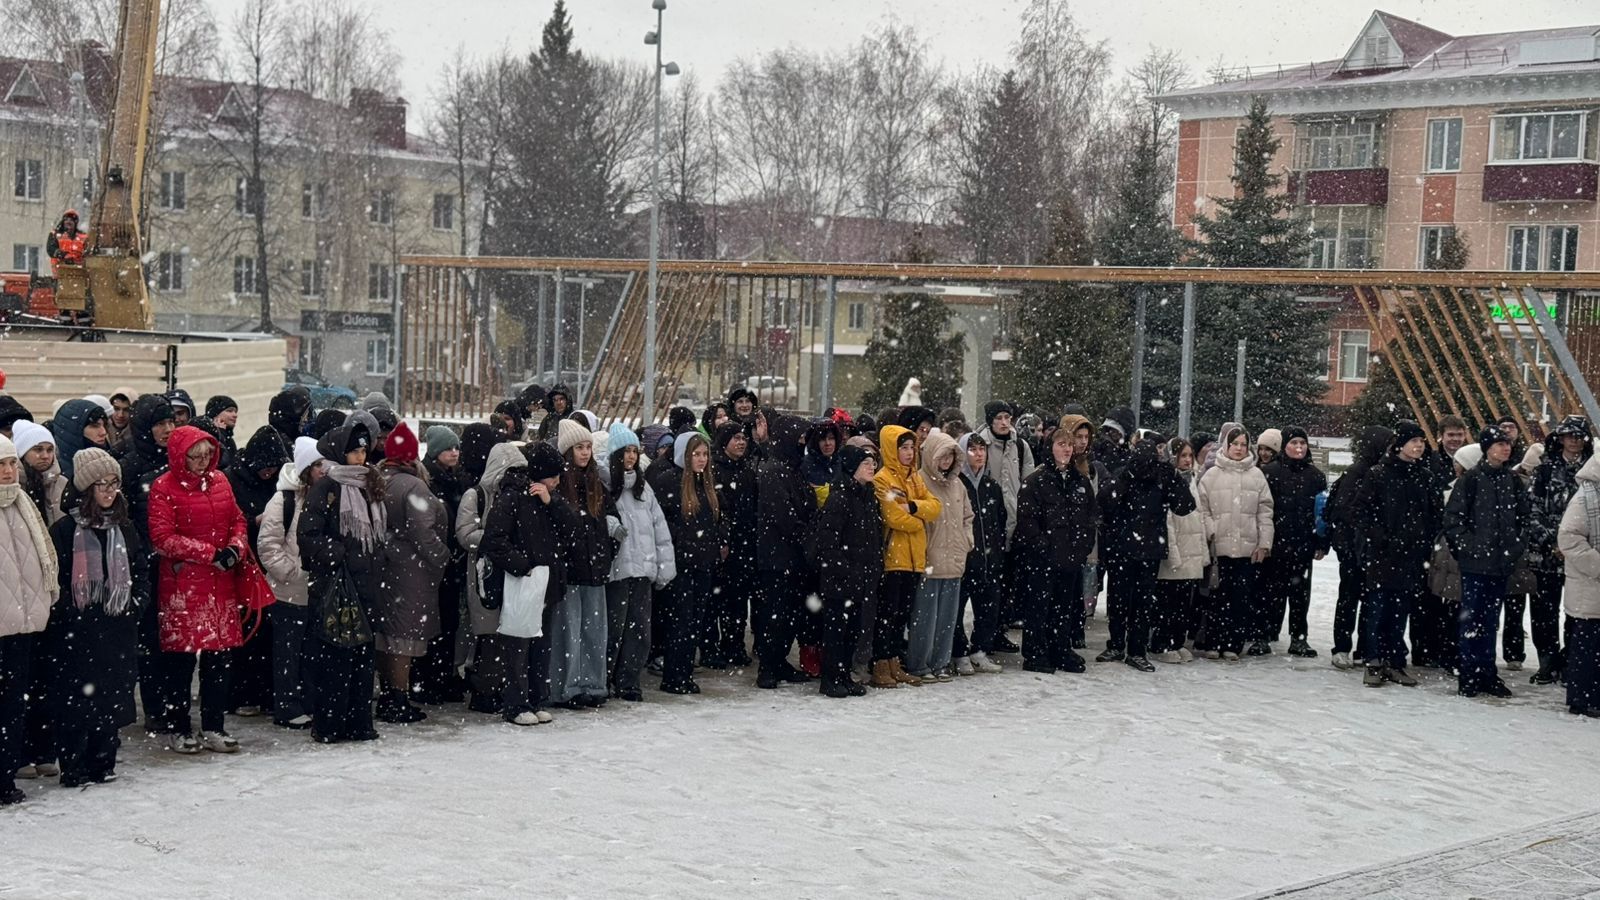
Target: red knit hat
column 401, row 445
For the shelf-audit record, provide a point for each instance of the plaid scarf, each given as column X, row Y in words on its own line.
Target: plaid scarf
column 100, row 574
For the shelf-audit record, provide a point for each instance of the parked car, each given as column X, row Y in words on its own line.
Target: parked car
column 323, row 394
column 772, row 390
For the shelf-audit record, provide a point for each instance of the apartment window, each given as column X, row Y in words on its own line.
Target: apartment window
column 310, row 278
column 244, row 275
column 1353, row 348
column 1431, row 243
column 380, row 282
column 30, row 180
column 810, row 313
column 380, row 208
column 444, row 211
column 1339, row 144
column 25, row 257
column 1548, row 248
column 174, row 191
column 378, row 360
column 733, row 311
column 169, row 271
column 313, row 199
column 858, row 317
column 1444, row 145
column 1322, row 361
column 1540, row 137
column 1345, row 237
column 244, row 200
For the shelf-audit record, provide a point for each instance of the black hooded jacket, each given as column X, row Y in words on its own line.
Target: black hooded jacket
column 1340, row 513
column 1486, row 519
column 784, row 500
column 845, row 546
column 551, row 422
column 988, row 552
column 1056, row 516
column 287, row 413
column 265, row 450
column 1135, row 503
column 1398, row 515
column 477, row 440
column 736, row 489
column 818, row 469
column 145, row 461
column 1555, row 483
column 1295, row 484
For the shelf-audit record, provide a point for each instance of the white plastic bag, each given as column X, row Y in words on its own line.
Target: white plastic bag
column 522, row 611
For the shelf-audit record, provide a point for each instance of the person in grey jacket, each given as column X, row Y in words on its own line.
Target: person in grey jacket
column 1484, row 524
column 1011, row 461
column 1579, row 541
column 644, row 559
column 486, row 656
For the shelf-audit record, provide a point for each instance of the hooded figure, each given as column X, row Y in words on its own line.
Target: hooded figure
column 845, row 547
column 981, row 580
column 1237, row 504
column 736, row 488
column 1296, row 483
column 196, row 527
column 907, row 507
column 477, row 442
column 1579, row 542
column 557, row 406
column 1111, row 447
column 146, row 458
column 913, row 417
column 505, row 469
column 1555, row 482
column 644, row 559
column 911, row 395
column 288, row 413
column 1057, row 510
column 68, row 428
column 510, row 418
column 215, row 407
column 823, row 440
column 785, row 506
column 933, row 615
column 1134, row 506
column 1484, row 523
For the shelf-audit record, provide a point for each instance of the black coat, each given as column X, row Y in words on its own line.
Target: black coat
column 144, row 462
column 1555, row 483
column 1341, row 514
column 450, row 485
column 736, row 488
column 988, row 524
column 1398, row 514
column 523, row 532
column 1295, row 485
column 1134, row 507
column 698, row 541
column 1485, row 520
column 846, row 544
column 589, row 547
column 89, row 648
column 264, row 451
column 785, row 504
column 1056, row 516
column 325, row 553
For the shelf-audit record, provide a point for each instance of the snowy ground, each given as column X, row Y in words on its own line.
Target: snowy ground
column 1205, row 780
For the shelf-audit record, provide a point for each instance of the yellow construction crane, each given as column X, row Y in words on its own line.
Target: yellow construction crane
column 110, row 285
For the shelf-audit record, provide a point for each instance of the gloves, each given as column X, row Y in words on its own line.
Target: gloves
column 226, row 558
column 619, row 531
column 911, row 507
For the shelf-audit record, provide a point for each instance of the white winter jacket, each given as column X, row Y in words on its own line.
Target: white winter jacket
column 1238, row 507
column 646, row 550
column 1187, row 550
column 28, row 584
column 279, row 547
column 1581, row 597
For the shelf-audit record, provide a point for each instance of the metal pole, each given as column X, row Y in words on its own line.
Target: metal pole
column 825, row 396
column 1558, row 344
column 611, row 329
column 1140, row 295
column 539, row 355
column 583, row 310
column 1238, row 386
column 648, row 413
column 560, row 331
column 1186, row 366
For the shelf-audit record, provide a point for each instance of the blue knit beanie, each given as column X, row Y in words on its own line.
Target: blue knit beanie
column 622, row 436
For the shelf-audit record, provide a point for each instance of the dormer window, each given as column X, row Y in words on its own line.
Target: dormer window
column 1378, row 50
column 25, row 90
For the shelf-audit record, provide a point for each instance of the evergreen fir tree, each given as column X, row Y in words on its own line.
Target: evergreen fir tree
column 913, row 344
column 1286, row 340
column 1073, row 339
column 999, row 193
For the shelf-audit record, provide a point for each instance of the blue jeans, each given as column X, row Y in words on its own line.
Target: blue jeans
column 1481, row 596
column 1383, row 626
column 933, row 625
column 578, row 643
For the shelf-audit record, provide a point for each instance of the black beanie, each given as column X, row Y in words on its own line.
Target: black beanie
column 1492, row 435
column 994, row 408
column 543, row 461
column 1404, row 432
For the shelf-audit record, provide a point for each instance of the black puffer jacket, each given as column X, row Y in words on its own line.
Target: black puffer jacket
column 785, row 502
column 1295, row 484
column 1398, row 513
column 552, row 419
column 697, row 541
column 288, row 412
column 846, row 544
column 1341, row 513
column 325, row 552
column 589, row 546
column 736, row 488
column 988, row 552
column 523, row 533
column 145, row 461
column 1485, row 520
column 264, row 451
column 1555, row 483
column 1134, row 506
column 1056, row 516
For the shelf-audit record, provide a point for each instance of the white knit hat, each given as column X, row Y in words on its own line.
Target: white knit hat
column 8, row 450
column 1469, row 456
column 570, row 434
column 25, row 436
column 305, row 455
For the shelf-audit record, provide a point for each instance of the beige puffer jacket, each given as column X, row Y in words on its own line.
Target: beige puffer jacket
column 1187, row 553
column 1238, row 507
column 950, row 535
column 278, row 544
column 1581, row 599
column 28, row 584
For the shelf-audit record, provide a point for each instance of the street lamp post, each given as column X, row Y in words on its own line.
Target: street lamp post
column 653, row 38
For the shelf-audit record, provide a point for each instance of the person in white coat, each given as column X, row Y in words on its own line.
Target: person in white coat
column 487, row 655
column 28, row 588
column 1579, row 542
column 644, row 560
column 293, row 654
column 1237, row 504
column 1179, row 576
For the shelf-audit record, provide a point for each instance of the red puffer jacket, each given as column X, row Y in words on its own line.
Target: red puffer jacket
column 191, row 518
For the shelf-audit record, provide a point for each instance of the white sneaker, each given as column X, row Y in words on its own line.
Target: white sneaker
column 543, row 717
column 219, row 742
column 1187, row 656
column 1171, row 656
column 300, row 721
column 525, row 718
column 248, row 712
column 1514, row 665
column 47, row 770
column 945, row 675
column 183, row 743
column 28, row 772
column 964, row 666
column 1342, row 661
column 1230, row 656
column 1213, row 654
column 982, row 663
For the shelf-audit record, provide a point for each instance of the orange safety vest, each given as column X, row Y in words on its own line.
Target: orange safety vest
column 70, row 248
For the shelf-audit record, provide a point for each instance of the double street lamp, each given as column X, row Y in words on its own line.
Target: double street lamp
column 653, row 39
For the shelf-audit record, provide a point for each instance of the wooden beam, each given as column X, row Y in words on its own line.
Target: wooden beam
column 1533, row 361
column 1460, row 350
column 1413, row 309
column 1505, row 355
column 1373, row 312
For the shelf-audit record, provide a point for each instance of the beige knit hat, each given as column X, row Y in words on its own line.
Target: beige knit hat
column 91, row 465
column 570, row 434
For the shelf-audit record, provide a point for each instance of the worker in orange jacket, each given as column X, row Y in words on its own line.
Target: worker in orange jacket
column 66, row 243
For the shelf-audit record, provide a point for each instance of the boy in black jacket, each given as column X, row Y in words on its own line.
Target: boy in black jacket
column 981, row 582
column 1484, row 524
column 846, row 548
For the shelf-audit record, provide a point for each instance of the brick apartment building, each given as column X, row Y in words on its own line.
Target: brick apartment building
column 1411, row 134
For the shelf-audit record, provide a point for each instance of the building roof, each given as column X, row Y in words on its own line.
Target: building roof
column 1429, row 58
column 754, row 232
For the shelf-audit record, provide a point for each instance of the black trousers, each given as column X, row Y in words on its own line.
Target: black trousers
column 728, row 613
column 1582, row 672
column 42, row 666
column 775, row 617
column 689, row 593
column 1132, row 599
column 1174, row 603
column 15, row 650
column 1352, row 588
column 981, row 589
column 250, row 671
column 344, row 689
column 1047, row 626
column 1545, row 606
column 86, row 741
column 1433, row 631
column 216, row 672
column 434, row 677
column 162, row 682
column 897, row 591
column 1286, row 587
column 841, row 629
column 1229, row 624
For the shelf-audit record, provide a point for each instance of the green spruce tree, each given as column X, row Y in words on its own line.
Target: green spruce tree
column 913, row 344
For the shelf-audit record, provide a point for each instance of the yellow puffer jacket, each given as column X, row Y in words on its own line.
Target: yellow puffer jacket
column 907, row 507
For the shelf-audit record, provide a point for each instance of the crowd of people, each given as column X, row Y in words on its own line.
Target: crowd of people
column 337, row 570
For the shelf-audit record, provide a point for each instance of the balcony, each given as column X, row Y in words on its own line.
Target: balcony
column 1341, row 187
column 1531, row 182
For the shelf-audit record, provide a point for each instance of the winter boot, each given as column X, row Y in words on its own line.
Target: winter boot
column 1003, row 644
column 1545, row 675
column 10, row 794
column 1399, row 675
column 1343, row 661
column 1110, row 654
column 898, row 670
column 1374, row 676
column 1259, row 648
column 982, row 663
column 883, row 675
column 1072, row 662
column 218, row 742
column 394, row 708
column 1498, row 689
column 811, row 660
column 832, row 687
column 1140, row 663
column 1299, row 647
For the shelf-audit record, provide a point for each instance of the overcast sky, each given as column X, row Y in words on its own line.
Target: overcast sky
column 705, row 35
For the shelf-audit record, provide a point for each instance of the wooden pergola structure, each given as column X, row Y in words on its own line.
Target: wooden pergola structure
column 1444, row 309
